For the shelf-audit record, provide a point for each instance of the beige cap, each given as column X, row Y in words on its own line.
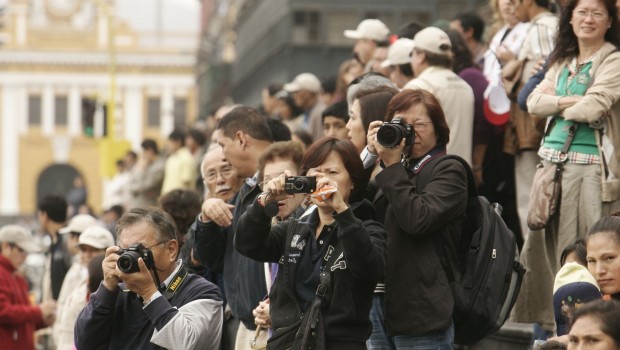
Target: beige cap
column 434, row 40
column 304, row 81
column 573, row 272
column 18, row 236
column 372, row 29
column 399, row 53
column 79, row 223
column 96, row 237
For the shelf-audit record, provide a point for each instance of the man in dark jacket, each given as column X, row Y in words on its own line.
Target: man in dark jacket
column 183, row 312
column 243, row 135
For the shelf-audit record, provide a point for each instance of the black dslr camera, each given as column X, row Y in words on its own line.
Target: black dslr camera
column 128, row 260
column 391, row 133
column 299, row 184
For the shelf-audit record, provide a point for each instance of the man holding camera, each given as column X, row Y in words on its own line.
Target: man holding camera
column 183, row 312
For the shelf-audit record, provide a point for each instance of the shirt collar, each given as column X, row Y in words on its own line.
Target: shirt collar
column 174, row 273
column 252, row 181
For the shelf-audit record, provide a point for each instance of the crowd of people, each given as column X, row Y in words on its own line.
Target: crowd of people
column 304, row 224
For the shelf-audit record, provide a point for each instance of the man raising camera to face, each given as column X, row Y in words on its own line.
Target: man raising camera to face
column 147, row 299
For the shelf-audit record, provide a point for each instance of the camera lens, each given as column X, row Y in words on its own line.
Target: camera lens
column 390, row 135
column 299, row 184
column 128, row 262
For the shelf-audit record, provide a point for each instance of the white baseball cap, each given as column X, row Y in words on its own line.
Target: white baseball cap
column 399, row 53
column 79, row 223
column 304, row 81
column 433, row 40
column 372, row 29
column 96, row 237
column 19, row 236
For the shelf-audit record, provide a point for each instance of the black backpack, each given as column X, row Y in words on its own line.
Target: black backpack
column 491, row 275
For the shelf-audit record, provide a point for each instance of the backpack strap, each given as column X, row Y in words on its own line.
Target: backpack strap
column 422, row 180
column 426, row 173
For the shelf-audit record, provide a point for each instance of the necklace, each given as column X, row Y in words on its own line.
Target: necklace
column 578, row 66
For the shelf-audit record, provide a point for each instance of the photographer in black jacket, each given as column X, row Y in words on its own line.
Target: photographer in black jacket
column 337, row 249
column 418, row 298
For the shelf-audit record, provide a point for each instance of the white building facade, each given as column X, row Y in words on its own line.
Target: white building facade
column 55, row 59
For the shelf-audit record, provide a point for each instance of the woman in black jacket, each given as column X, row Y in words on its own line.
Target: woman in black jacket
column 336, row 245
column 423, row 225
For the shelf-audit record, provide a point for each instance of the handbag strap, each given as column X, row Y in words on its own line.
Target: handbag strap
column 572, row 130
column 331, row 261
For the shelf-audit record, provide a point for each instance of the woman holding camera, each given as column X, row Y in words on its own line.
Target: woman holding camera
column 419, row 223
column 330, row 259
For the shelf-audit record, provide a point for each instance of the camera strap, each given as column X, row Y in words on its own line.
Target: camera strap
column 434, row 153
column 175, row 283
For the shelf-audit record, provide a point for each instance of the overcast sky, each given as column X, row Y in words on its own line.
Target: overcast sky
column 179, row 15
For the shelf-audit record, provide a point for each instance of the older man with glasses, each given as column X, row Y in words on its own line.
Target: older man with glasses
column 131, row 309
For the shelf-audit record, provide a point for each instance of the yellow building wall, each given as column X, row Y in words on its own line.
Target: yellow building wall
column 35, row 155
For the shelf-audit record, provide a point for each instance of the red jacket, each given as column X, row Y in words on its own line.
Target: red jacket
column 18, row 318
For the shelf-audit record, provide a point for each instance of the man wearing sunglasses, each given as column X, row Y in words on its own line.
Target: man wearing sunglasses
column 132, row 310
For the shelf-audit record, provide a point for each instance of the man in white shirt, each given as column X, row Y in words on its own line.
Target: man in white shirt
column 431, row 61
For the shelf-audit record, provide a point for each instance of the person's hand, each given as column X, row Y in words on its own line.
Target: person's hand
column 371, row 136
column 261, row 314
column 218, row 211
column 504, row 54
column 568, row 101
column 48, row 311
column 273, row 190
column 390, row 156
column 140, row 282
column 335, row 200
column 538, row 66
column 110, row 273
column 564, row 339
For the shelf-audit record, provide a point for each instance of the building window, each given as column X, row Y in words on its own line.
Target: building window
column 337, row 23
column 34, row 110
column 180, row 111
column 306, row 25
column 60, row 110
column 153, row 110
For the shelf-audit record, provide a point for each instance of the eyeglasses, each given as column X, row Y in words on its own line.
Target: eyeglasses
column 156, row 244
column 421, row 125
column 225, row 172
column 596, row 15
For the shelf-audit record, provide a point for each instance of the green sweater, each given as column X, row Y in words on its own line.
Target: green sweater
column 584, row 141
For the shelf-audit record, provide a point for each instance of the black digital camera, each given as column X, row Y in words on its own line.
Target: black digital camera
column 128, row 260
column 299, row 184
column 391, row 133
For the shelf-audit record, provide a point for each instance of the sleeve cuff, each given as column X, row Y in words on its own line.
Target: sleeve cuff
column 368, row 158
column 153, row 297
column 104, row 298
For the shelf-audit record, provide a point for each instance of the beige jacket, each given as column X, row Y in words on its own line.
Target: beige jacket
column 598, row 107
column 457, row 101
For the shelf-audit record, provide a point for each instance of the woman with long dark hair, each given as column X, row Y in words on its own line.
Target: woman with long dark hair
column 579, row 96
